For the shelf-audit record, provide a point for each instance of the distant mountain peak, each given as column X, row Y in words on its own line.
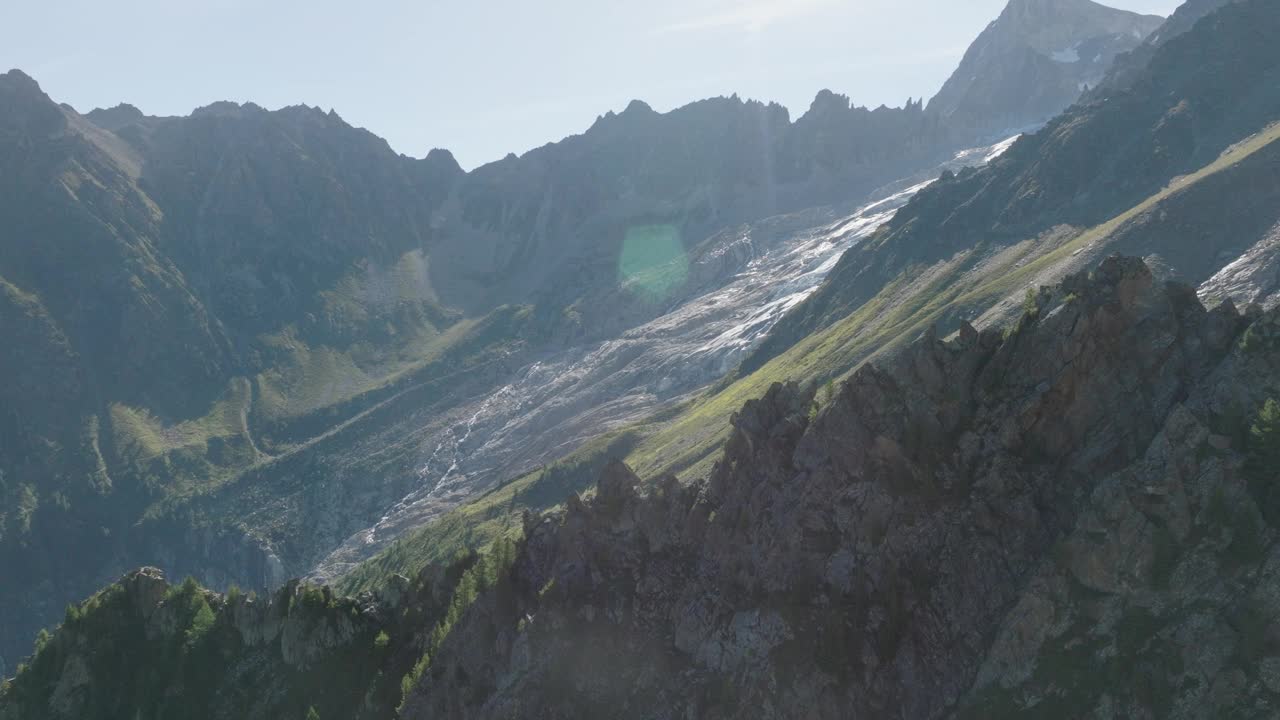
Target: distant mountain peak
column 439, row 157
column 1052, row 25
column 25, row 108
column 1035, row 60
column 117, row 117
column 638, row 106
column 1053, row 6
column 20, row 88
column 17, row 78
column 829, row 100
column 227, row 108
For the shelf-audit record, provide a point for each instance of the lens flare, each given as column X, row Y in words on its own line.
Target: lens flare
column 653, row 263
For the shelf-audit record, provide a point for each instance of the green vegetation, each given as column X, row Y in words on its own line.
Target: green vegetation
column 310, row 378
column 1263, row 464
column 141, row 437
column 484, row 575
column 822, row 398
column 201, row 622
column 1264, row 445
column 1029, row 304
column 1260, row 338
column 185, row 657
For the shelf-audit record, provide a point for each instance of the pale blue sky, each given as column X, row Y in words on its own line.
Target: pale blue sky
column 487, row 77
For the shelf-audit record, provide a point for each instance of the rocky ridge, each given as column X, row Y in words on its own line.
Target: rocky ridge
column 888, row 556
column 1033, row 61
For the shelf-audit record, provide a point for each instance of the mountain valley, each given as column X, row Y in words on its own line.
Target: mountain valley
column 960, row 409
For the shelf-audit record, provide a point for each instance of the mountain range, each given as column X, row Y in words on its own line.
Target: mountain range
column 252, row 345
column 225, row 310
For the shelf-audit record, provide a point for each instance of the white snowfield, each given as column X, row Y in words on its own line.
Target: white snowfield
column 1254, row 277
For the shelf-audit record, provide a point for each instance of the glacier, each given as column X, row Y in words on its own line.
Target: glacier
column 752, row 276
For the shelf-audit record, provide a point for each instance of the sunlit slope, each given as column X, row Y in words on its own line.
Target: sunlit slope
column 981, row 282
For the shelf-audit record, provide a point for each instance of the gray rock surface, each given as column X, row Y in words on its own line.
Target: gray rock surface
column 1033, row 61
column 922, row 546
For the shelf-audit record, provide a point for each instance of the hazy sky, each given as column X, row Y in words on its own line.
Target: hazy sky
column 487, row 77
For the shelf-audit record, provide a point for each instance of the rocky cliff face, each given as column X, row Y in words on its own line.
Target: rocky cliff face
column 939, row 539
column 1128, row 67
column 1033, row 61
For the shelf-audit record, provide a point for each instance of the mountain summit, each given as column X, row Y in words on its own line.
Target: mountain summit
column 1035, row 59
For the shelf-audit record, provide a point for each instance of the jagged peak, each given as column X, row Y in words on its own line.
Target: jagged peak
column 827, row 100
column 121, row 108
column 638, row 107
column 634, row 110
column 17, row 79
column 640, row 114
column 116, row 117
column 226, row 108
column 1047, row 24
column 20, row 88
column 25, row 107
column 1055, row 9
column 440, row 157
column 992, row 89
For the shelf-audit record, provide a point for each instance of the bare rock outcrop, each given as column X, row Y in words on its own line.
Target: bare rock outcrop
column 918, row 542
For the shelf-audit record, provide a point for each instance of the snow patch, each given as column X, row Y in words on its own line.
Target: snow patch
column 1067, row 55
column 999, row 149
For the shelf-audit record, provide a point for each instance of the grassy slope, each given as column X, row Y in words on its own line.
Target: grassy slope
column 961, row 287
column 316, row 383
column 987, row 282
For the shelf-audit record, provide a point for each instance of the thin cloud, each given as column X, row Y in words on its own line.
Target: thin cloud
column 750, row 16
